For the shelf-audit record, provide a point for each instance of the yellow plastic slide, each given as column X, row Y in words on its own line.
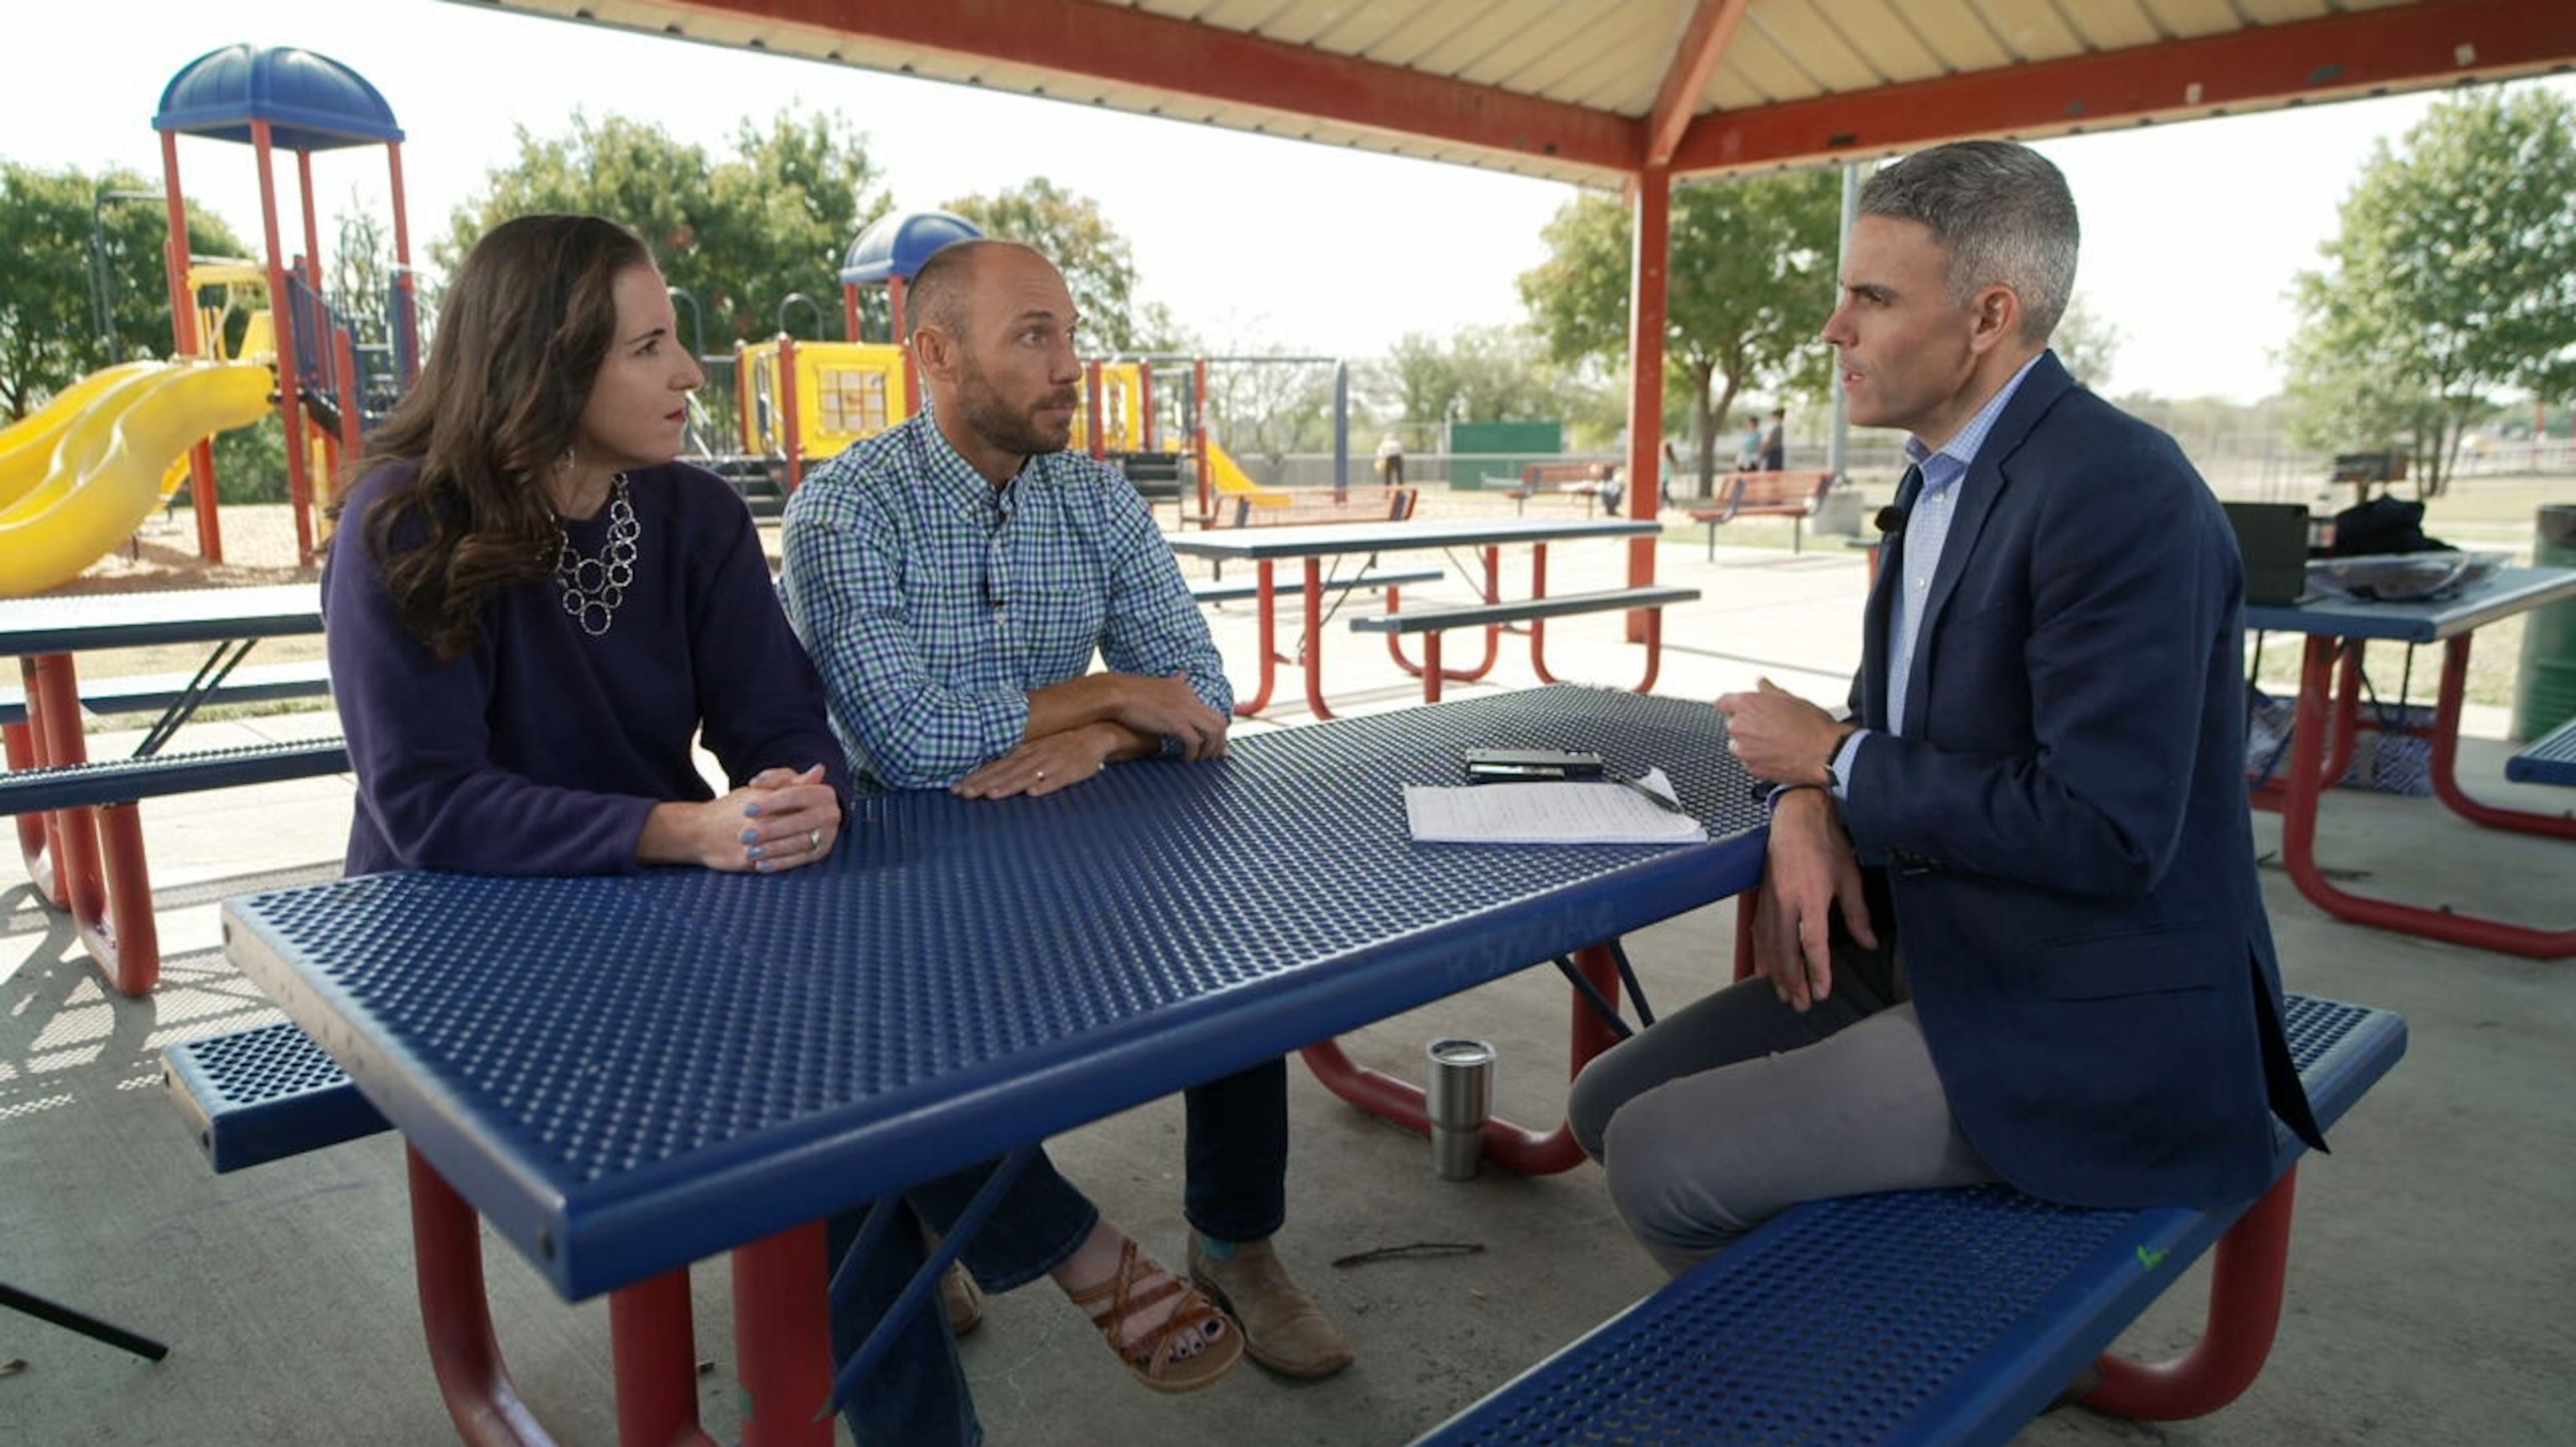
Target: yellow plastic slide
column 1232, row 481
column 104, row 476
column 27, row 445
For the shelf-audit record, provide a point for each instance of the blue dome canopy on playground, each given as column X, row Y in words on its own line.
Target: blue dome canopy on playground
column 896, row 245
column 311, row 102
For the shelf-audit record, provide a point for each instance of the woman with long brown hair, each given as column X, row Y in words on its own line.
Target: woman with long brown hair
column 533, row 611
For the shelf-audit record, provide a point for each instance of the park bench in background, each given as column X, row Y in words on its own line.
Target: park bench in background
column 1792, row 495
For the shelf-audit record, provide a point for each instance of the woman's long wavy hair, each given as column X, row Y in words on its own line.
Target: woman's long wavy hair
column 529, row 317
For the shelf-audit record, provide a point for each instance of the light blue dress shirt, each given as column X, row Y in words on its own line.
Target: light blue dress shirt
column 1927, row 531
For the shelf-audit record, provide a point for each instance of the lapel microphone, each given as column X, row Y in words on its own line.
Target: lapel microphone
column 1891, row 518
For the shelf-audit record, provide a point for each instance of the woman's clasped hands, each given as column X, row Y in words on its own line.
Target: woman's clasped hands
column 783, row 819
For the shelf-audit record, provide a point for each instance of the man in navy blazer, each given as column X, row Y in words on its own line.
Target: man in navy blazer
column 2009, row 925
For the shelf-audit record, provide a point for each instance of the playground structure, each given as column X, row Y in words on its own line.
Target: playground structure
column 802, row 402
column 82, row 474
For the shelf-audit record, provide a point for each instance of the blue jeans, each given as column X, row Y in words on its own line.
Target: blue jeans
column 1237, row 1190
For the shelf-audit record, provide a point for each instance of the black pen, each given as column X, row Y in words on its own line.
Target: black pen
column 1638, row 786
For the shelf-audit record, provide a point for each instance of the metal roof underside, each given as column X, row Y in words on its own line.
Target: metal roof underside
column 1598, row 91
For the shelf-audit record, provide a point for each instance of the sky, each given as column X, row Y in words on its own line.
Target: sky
column 2192, row 231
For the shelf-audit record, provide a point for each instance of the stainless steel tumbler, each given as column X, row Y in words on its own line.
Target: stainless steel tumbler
column 1461, row 1094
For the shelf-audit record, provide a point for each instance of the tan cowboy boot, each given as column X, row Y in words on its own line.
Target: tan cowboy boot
column 1283, row 1329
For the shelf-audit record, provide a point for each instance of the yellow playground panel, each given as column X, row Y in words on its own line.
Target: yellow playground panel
column 842, row 392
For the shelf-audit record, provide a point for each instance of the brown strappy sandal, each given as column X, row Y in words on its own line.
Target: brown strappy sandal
column 1151, row 1357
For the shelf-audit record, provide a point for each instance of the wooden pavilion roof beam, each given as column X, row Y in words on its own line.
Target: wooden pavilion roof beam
column 2336, row 57
column 1695, row 59
column 1116, row 44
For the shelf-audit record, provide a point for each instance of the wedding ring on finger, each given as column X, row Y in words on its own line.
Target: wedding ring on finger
column 814, row 840
column 1734, row 746
column 1041, row 776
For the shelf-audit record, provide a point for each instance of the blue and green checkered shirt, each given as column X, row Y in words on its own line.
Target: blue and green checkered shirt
column 933, row 601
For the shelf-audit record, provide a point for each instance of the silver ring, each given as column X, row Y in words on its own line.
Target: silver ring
column 1042, row 774
column 1734, row 747
column 814, row 840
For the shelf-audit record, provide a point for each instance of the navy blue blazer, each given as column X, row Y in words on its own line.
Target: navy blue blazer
column 2064, row 823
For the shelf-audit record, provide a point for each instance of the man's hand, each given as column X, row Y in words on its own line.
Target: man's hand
column 1170, row 708
column 1780, row 736
column 1808, row 869
column 1042, row 766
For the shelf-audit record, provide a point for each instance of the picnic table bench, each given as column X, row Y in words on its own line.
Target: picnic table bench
column 2551, row 759
column 1948, row 1316
column 1587, row 480
column 1792, row 495
column 1430, row 623
column 162, row 692
column 1370, row 505
column 78, row 829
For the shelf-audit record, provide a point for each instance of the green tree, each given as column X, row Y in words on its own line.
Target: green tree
column 2453, row 277
column 1750, row 283
column 49, row 323
column 1479, row 374
column 739, row 235
column 1097, row 262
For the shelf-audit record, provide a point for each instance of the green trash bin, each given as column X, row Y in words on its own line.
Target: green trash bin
column 2544, row 692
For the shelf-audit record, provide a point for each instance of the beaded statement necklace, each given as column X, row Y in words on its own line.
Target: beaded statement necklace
column 594, row 586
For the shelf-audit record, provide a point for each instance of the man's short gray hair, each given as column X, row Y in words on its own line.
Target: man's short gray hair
column 2001, row 211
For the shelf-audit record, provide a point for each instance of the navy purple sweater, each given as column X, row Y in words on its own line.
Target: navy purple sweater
column 542, row 749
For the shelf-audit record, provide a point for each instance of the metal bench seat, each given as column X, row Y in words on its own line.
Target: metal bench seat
column 157, row 692
column 1912, row 1317
column 1433, row 620
column 2551, row 759
column 1205, row 590
column 124, row 781
column 262, row 1095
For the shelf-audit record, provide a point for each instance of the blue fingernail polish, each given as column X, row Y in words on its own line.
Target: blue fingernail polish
column 751, row 811
column 753, row 852
column 751, row 836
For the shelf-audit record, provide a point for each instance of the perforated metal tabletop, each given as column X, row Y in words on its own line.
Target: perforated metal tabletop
column 2511, row 591
column 186, row 615
column 627, row 1074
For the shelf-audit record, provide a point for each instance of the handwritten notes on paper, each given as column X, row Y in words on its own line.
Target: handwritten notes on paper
column 1572, row 813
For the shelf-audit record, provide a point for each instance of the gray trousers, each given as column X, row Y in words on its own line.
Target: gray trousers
column 1728, row 1112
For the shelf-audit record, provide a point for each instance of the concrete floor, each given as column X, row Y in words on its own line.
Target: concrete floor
column 2428, row 1299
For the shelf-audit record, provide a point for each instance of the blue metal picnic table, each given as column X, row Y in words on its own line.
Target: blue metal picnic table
column 2329, row 705
column 626, row 1074
column 90, row 861
column 1265, row 548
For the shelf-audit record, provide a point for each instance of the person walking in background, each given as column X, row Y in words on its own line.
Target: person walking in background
column 1775, row 442
column 1390, row 460
column 1748, row 450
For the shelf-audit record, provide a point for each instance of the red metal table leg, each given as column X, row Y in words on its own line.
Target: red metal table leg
column 126, row 940
column 2446, row 753
column 2244, row 1312
column 53, row 713
column 653, row 1340
column 782, row 1336
column 35, row 845
column 1267, row 639
column 1310, row 648
column 2299, row 840
column 447, row 1254
column 1493, row 631
column 1513, row 1147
